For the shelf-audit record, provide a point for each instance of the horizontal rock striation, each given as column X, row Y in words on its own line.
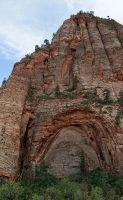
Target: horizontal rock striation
column 43, row 116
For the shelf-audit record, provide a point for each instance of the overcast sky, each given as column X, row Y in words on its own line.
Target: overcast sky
column 26, row 23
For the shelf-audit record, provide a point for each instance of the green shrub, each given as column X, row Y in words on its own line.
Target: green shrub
column 104, row 112
column 65, row 190
column 93, row 98
column 87, row 95
column 91, row 185
column 69, row 90
column 96, row 194
column 11, row 191
column 95, row 91
column 99, row 100
column 53, row 35
column 117, row 121
column 108, row 192
column 120, row 99
column 36, row 47
column 2, row 181
column 83, row 166
column 70, row 190
column 47, row 75
column 43, row 179
column 46, row 41
column 88, row 101
column 119, row 186
column 106, row 94
column 28, row 98
column 67, row 95
column 57, row 91
column 80, row 12
column 27, row 55
column 38, row 197
column 75, row 81
column 24, row 182
column 97, row 177
column 120, row 110
column 45, row 97
column 53, row 193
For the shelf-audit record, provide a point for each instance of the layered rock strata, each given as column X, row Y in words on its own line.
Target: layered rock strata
column 85, row 54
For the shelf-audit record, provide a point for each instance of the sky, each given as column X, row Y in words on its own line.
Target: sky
column 26, row 23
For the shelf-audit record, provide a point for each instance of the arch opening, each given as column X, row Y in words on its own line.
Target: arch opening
column 64, row 155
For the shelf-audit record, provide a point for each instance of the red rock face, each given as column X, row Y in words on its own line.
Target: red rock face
column 85, row 53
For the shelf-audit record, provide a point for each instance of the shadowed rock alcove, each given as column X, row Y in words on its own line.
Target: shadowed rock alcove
column 61, row 143
column 64, row 156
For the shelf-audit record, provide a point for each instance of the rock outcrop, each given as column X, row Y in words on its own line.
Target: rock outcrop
column 52, row 107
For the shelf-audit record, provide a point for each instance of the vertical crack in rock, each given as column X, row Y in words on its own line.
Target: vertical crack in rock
column 36, row 125
column 25, row 149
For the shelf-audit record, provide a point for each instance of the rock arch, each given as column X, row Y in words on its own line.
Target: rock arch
column 65, row 152
column 71, row 133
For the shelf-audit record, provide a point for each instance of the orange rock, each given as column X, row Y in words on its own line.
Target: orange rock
column 85, row 53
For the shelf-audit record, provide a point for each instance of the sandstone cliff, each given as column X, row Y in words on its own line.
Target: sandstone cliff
column 52, row 106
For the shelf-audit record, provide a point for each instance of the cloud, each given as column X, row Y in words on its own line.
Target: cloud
column 21, row 29
column 70, row 4
column 25, row 24
column 76, row 6
column 18, row 41
column 101, row 8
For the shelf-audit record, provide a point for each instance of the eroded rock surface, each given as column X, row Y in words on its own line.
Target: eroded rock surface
column 85, row 54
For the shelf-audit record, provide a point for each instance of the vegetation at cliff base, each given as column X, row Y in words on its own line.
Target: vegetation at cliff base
column 90, row 185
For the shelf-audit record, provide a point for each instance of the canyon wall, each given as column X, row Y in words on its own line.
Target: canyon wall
column 52, row 107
